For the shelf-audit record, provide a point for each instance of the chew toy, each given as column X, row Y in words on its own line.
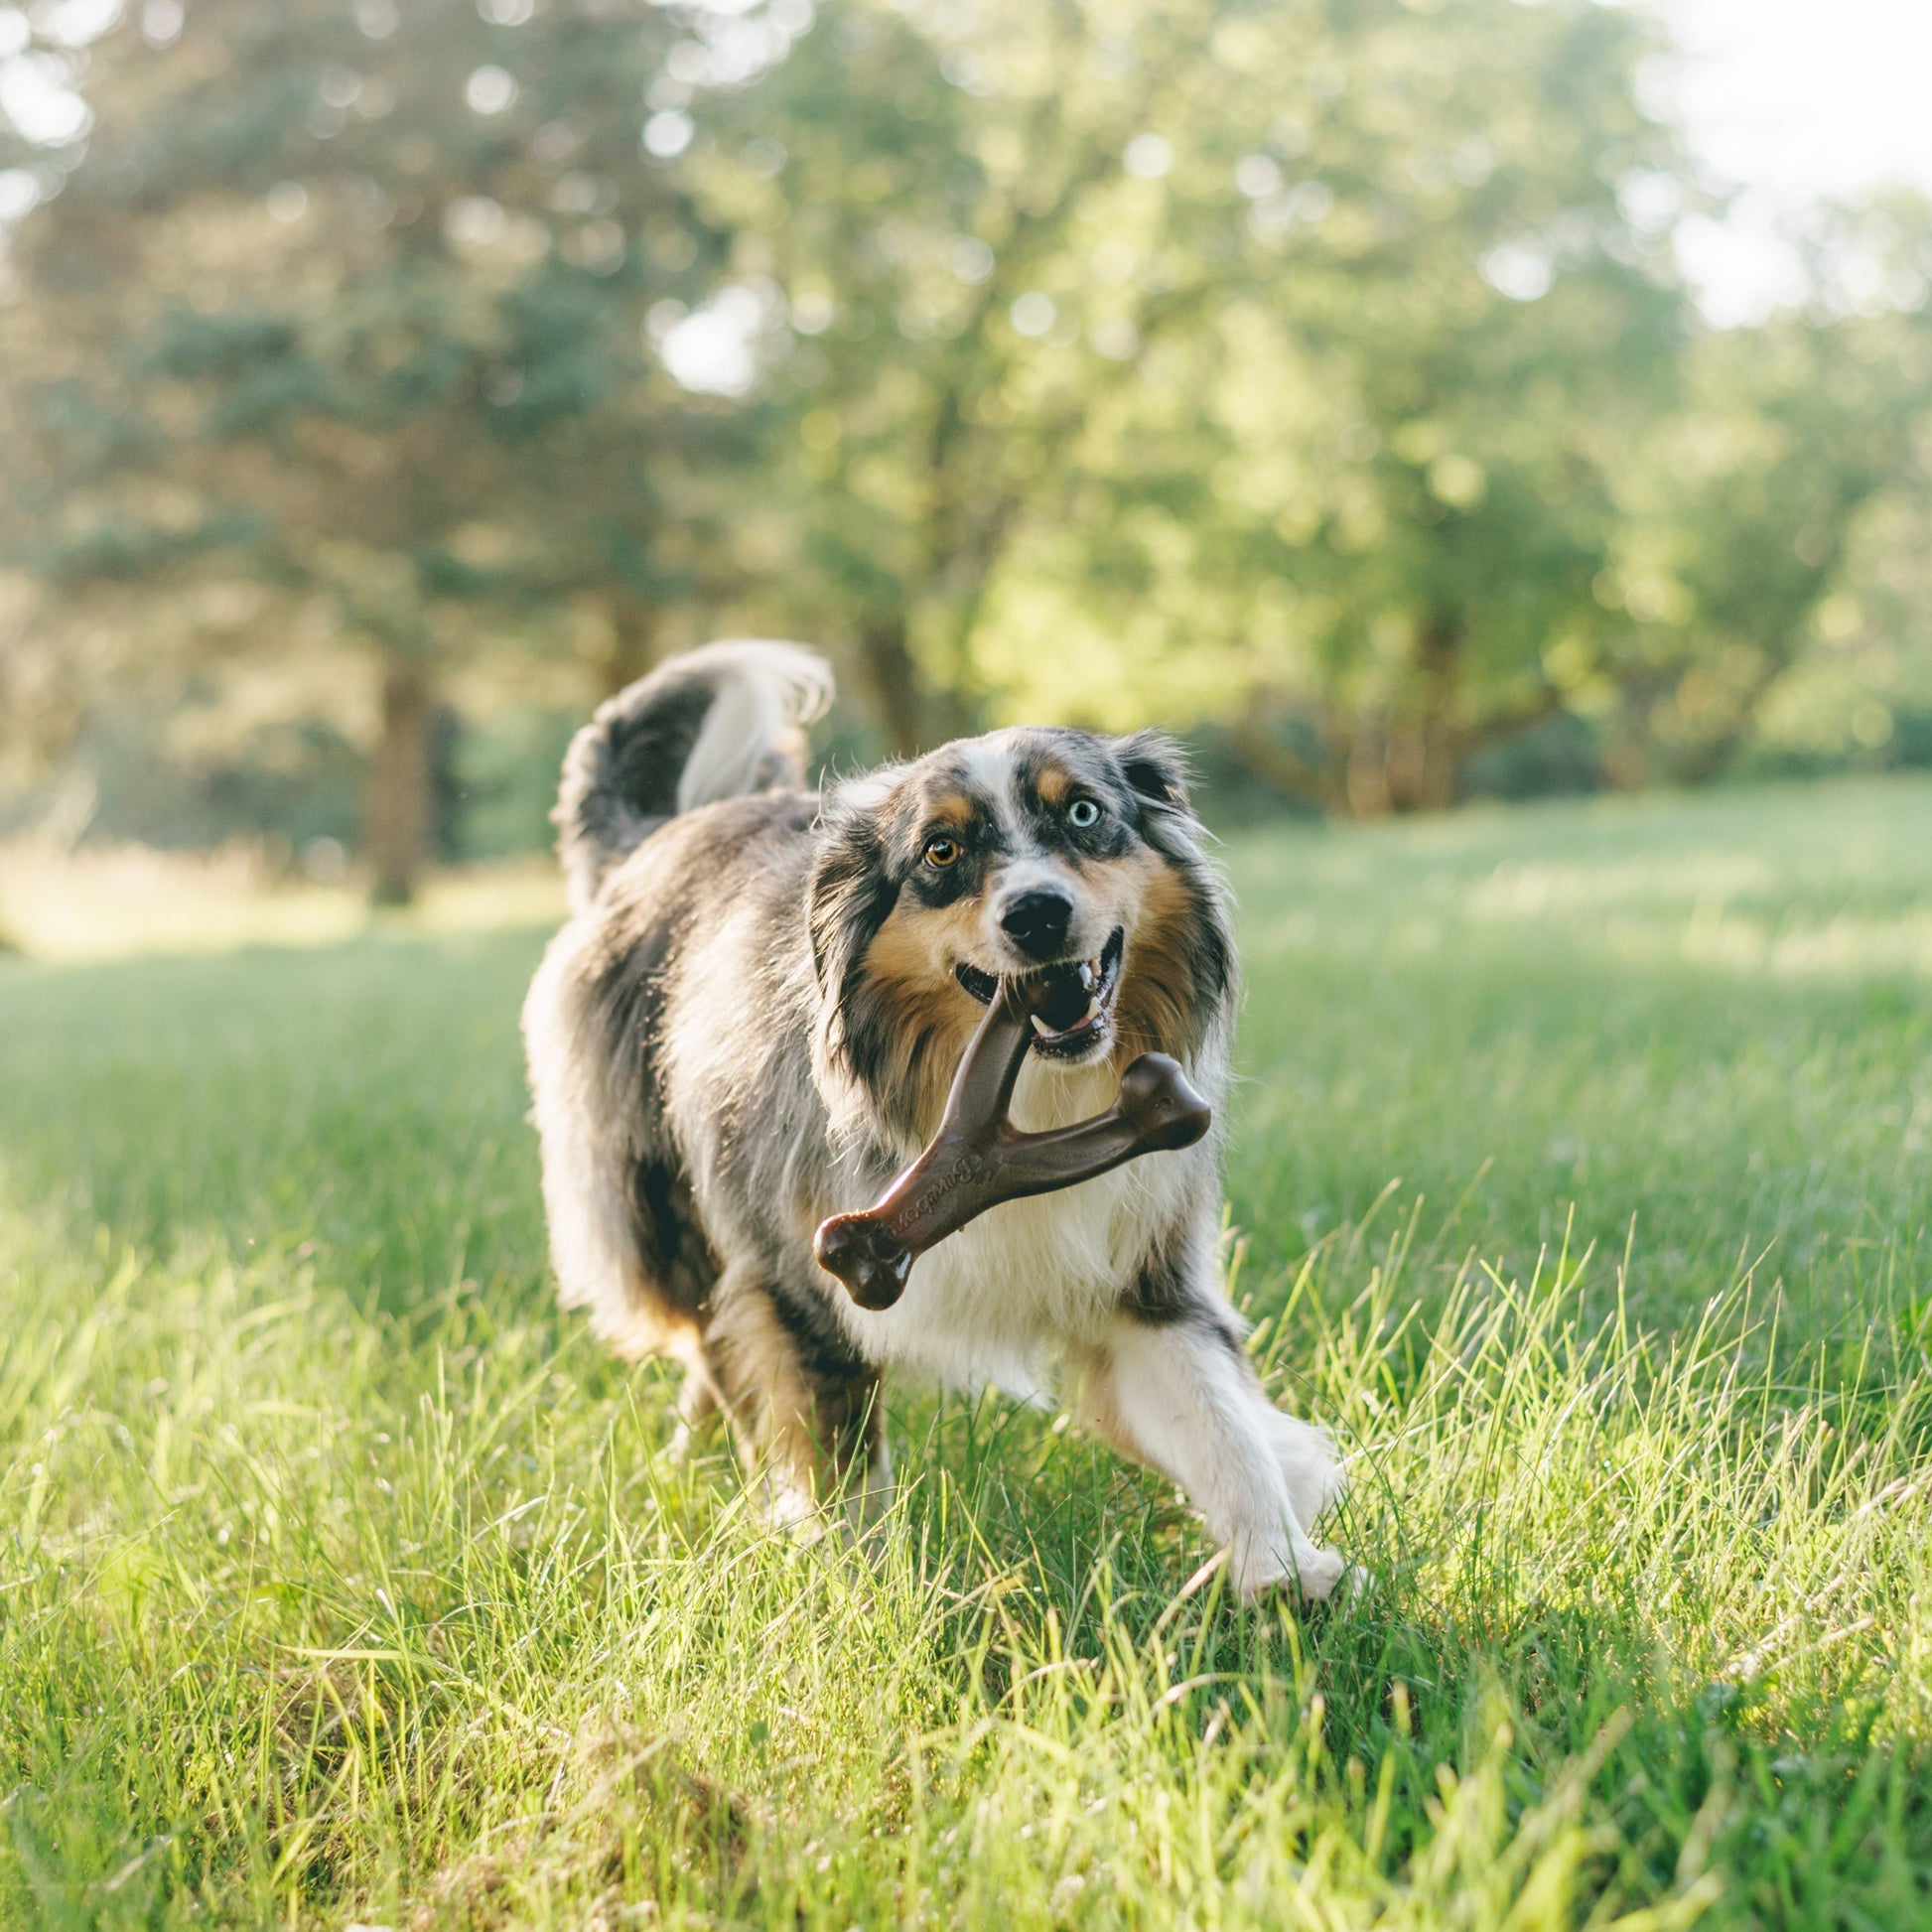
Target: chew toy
column 978, row 1159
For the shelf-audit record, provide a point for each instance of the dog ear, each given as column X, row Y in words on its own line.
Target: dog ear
column 851, row 896
column 1157, row 770
column 1185, row 976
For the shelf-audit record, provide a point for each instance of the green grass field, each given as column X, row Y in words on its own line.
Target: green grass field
column 1581, row 1180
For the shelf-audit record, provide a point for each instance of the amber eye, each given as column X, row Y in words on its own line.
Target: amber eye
column 941, row 852
column 1083, row 814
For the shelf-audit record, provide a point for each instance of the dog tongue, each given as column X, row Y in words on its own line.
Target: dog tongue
column 978, row 1159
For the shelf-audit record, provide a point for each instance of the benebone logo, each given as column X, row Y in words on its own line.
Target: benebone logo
column 970, row 1168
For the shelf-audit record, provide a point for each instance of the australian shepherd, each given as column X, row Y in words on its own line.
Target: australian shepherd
column 751, row 1021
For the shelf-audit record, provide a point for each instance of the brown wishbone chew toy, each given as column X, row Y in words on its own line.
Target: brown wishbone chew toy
column 977, row 1158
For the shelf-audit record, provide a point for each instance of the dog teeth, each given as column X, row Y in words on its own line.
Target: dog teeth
column 1090, row 1017
column 1087, row 974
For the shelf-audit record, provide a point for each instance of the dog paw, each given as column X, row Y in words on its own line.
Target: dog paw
column 1355, row 1584
column 1319, row 1572
column 1320, row 1576
column 1257, row 1570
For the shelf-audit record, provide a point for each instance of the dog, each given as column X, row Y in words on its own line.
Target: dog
column 751, row 1021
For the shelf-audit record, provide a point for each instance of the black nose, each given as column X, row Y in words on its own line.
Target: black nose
column 1036, row 922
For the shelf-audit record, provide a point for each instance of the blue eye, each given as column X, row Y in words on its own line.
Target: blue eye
column 1083, row 814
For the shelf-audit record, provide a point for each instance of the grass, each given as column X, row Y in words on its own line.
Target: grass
column 116, row 902
column 1581, row 1180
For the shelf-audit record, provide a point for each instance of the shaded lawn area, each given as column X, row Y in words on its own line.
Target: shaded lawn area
column 1580, row 1182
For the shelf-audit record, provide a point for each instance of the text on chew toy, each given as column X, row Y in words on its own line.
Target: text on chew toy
column 971, row 1168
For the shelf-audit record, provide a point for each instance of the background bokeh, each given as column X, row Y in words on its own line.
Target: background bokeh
column 1353, row 385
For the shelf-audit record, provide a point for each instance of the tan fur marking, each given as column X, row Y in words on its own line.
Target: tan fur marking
column 765, row 1394
column 1150, row 1011
column 910, row 963
column 1052, row 783
column 922, row 941
column 954, row 808
column 807, row 1441
column 651, row 1324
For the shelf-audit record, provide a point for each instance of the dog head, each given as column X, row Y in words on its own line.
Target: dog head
column 1058, row 854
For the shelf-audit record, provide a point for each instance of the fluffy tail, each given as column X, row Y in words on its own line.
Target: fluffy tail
column 718, row 723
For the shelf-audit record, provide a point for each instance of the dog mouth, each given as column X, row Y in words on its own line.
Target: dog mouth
column 1074, row 1010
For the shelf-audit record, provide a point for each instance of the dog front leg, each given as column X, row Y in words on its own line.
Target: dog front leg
column 807, row 1414
column 1182, row 1396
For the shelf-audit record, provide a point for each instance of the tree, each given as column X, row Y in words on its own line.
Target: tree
column 351, row 302
column 1358, row 512
column 967, row 216
column 1320, row 370
column 1741, row 518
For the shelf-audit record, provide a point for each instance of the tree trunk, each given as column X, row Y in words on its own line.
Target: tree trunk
column 1424, row 741
column 1365, row 768
column 1709, row 757
column 1277, row 766
column 399, row 809
column 894, row 681
column 633, row 645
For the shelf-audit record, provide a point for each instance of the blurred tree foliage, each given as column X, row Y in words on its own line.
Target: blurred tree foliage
column 1757, row 515
column 346, row 307
column 1373, row 487
column 1318, row 370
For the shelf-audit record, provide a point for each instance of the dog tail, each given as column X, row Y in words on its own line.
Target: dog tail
column 722, row 722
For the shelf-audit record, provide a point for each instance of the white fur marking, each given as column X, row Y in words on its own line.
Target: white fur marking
column 1196, row 1413
column 766, row 690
